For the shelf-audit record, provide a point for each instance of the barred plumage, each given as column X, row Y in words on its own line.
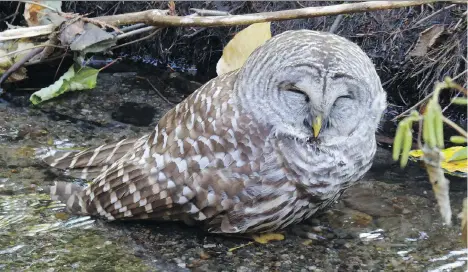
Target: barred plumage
column 239, row 154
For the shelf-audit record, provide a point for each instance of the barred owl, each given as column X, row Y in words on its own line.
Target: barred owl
column 253, row 150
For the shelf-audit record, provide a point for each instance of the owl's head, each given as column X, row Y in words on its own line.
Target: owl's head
column 308, row 84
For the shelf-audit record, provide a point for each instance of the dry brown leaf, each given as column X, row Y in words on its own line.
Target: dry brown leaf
column 241, row 46
column 18, row 75
column 39, row 15
column 171, row 7
column 69, row 34
column 6, row 62
column 426, row 40
column 31, row 13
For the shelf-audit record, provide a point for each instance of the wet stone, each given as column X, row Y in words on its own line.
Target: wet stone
column 138, row 114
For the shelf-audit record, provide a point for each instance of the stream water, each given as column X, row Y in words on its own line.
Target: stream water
column 388, row 222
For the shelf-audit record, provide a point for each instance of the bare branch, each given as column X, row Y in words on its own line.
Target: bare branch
column 455, row 126
column 207, row 12
column 154, row 17
column 135, row 32
column 158, row 17
column 25, row 32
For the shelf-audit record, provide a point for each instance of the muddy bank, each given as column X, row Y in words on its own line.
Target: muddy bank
column 389, row 222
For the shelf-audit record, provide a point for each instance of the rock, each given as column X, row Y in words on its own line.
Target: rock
column 368, row 202
column 182, row 84
column 138, row 114
column 243, row 269
column 204, row 255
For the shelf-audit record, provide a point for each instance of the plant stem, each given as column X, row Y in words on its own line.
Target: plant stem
column 455, row 126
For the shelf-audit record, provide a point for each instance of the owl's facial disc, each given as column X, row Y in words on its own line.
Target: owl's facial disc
column 319, row 106
column 307, row 84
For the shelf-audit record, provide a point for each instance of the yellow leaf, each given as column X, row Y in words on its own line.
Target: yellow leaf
column 241, row 46
column 457, row 166
column 267, row 237
column 416, row 153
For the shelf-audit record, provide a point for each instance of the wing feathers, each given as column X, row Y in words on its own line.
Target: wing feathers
column 90, row 162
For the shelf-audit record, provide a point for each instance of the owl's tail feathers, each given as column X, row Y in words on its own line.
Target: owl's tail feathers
column 71, row 195
column 89, row 163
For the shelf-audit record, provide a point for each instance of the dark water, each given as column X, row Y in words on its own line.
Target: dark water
column 389, row 222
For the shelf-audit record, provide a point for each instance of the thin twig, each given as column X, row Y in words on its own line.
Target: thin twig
column 156, row 90
column 434, row 14
column 460, row 74
column 60, row 64
column 47, row 60
column 413, row 107
column 198, row 31
column 36, row 46
column 135, row 32
column 455, row 126
column 130, row 28
column 109, row 64
column 16, row 13
column 7, row 17
column 336, row 23
column 137, row 40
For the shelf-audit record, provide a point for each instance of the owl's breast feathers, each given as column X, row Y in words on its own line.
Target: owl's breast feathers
column 207, row 161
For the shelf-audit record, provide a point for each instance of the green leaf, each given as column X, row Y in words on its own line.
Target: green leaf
column 459, row 155
column 83, row 78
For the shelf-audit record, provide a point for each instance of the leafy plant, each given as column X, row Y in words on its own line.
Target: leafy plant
column 432, row 148
column 76, row 78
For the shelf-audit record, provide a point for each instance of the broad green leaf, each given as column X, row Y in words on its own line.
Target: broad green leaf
column 241, row 46
column 83, row 79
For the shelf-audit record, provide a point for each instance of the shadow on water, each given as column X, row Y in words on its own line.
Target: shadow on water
column 388, row 222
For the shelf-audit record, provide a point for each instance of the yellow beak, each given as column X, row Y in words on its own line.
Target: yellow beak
column 317, row 125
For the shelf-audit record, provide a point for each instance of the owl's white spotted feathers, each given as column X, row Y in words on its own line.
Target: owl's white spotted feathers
column 223, row 159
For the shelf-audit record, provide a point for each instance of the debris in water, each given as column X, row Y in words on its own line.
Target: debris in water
column 372, row 236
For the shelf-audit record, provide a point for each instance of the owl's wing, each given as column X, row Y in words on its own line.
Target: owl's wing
column 89, row 163
column 156, row 172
